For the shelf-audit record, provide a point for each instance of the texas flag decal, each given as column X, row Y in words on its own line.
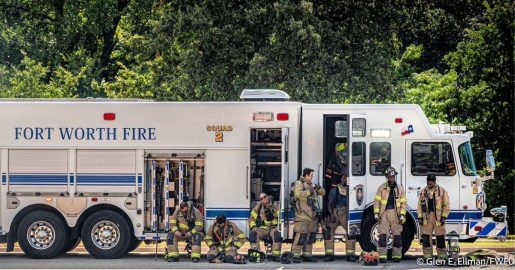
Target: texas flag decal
column 408, row 130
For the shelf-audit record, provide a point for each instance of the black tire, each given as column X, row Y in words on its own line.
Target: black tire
column 365, row 240
column 134, row 244
column 72, row 244
column 106, row 235
column 42, row 223
column 366, row 243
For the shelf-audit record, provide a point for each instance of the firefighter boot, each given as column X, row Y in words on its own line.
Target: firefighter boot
column 329, row 258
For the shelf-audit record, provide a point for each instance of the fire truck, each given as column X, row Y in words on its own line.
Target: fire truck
column 110, row 172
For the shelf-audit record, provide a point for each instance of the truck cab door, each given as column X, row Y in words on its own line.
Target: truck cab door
column 357, row 172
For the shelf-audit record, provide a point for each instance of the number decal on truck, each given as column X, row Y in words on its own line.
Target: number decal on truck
column 219, row 136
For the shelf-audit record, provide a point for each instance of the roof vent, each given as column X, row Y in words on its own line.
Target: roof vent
column 264, row 95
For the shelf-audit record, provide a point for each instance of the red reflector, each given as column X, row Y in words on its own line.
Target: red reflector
column 283, row 117
column 478, row 228
column 398, row 120
column 94, row 199
column 109, row 116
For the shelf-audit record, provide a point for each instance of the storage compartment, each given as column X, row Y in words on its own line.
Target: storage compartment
column 266, row 163
column 170, row 179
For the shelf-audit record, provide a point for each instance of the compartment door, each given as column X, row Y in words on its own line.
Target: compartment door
column 283, row 212
column 357, row 172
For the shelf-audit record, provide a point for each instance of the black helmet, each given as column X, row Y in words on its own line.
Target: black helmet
column 390, row 172
column 220, row 219
column 287, row 257
column 431, row 177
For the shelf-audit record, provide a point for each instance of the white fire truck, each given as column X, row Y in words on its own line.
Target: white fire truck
column 111, row 172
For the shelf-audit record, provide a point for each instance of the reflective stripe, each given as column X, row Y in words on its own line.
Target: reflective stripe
column 276, row 252
column 241, row 235
column 252, row 224
column 238, row 244
column 183, row 226
column 438, row 223
column 173, row 254
column 384, row 202
column 403, row 199
column 209, row 243
column 329, row 251
column 253, row 214
column 174, row 228
column 403, row 212
column 193, row 231
column 376, row 210
column 378, row 197
column 382, row 257
column 173, row 221
column 199, row 223
column 445, row 215
column 396, row 257
column 195, row 255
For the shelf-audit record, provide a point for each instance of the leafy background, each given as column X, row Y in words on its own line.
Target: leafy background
column 454, row 58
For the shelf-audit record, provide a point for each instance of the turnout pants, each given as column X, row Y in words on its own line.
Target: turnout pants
column 389, row 222
column 173, row 244
column 275, row 235
column 427, row 233
column 305, row 236
column 330, row 228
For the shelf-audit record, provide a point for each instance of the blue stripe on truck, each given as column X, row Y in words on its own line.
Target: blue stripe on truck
column 38, row 179
column 106, row 179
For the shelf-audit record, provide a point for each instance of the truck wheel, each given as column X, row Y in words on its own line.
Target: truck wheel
column 42, row 235
column 134, row 244
column 370, row 235
column 71, row 245
column 106, row 235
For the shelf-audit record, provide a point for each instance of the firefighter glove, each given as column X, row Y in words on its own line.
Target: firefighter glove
column 403, row 219
column 376, row 217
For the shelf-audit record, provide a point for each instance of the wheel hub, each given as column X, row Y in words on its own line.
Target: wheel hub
column 374, row 236
column 41, row 235
column 105, row 235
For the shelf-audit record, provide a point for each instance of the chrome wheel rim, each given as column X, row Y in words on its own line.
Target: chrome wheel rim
column 105, row 234
column 41, row 235
column 374, row 236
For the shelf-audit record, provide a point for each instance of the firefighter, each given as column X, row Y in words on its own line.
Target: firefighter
column 186, row 224
column 432, row 211
column 307, row 216
column 390, row 212
column 337, row 165
column 263, row 222
column 224, row 239
column 338, row 213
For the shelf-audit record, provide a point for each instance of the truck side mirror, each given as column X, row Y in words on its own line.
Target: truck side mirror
column 490, row 161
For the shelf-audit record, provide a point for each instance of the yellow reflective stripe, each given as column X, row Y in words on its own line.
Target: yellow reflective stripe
column 199, row 223
column 173, row 221
column 195, row 255
column 238, row 244
column 445, row 215
column 398, row 205
column 252, row 224
column 382, row 257
column 403, row 212
column 209, row 243
column 193, row 231
column 253, row 214
column 329, row 251
column 376, row 210
column 378, row 197
column 267, row 222
column 274, row 221
column 276, row 252
column 438, row 223
column 241, row 235
column 183, row 226
column 396, row 257
column 174, row 228
column 403, row 200
column 384, row 201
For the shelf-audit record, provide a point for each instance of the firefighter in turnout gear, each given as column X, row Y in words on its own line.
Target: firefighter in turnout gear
column 432, row 211
column 224, row 239
column 390, row 212
column 186, row 224
column 307, row 216
column 337, row 166
column 263, row 222
column 338, row 213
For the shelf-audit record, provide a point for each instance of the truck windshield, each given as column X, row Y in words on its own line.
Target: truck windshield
column 467, row 159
